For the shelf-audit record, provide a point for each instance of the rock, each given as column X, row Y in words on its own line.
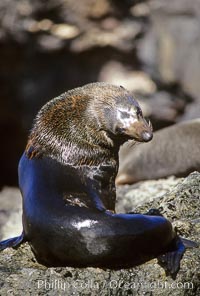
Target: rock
column 21, row 275
column 121, row 37
column 65, row 31
column 191, row 111
column 147, row 191
column 163, row 108
column 10, row 213
column 135, row 81
column 140, row 10
column 171, row 48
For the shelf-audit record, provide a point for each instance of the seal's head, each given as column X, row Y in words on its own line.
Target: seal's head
column 121, row 115
column 86, row 124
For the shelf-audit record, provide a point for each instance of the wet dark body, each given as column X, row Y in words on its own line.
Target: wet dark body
column 67, row 179
column 62, row 234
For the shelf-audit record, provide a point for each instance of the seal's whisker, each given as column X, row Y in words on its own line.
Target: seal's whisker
column 150, row 124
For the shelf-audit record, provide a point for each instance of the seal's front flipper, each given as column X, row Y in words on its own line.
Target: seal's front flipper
column 14, row 242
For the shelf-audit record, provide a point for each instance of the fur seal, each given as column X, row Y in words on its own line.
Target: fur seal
column 67, row 179
column 174, row 150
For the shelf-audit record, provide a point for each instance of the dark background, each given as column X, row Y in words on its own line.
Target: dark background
column 47, row 47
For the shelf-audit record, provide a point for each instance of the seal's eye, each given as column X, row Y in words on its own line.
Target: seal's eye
column 124, row 115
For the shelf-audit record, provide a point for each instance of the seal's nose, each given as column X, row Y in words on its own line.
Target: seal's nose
column 147, row 136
